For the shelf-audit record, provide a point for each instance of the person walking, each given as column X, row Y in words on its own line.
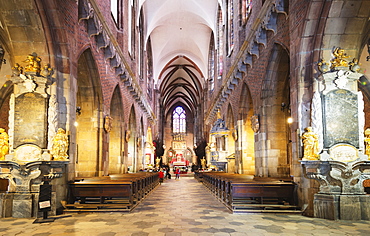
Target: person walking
column 161, row 176
column 177, row 172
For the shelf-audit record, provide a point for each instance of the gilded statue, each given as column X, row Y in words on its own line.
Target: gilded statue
column 203, row 163
column 310, row 145
column 33, row 63
column 4, row 144
column 367, row 142
column 60, row 146
column 338, row 59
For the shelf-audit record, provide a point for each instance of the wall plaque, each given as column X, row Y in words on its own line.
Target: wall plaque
column 340, row 118
column 30, row 120
column 343, row 152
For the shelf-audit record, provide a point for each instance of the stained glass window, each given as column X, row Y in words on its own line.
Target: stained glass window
column 179, row 120
column 246, row 10
column 220, row 44
column 230, row 26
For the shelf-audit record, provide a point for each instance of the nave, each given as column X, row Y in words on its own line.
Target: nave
column 182, row 208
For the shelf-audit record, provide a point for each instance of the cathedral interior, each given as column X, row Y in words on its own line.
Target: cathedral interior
column 222, row 89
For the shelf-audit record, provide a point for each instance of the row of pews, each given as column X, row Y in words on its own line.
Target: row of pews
column 246, row 193
column 118, row 192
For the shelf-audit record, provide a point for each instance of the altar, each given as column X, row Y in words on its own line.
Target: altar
column 179, row 160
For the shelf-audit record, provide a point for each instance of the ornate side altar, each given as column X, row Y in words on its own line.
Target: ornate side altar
column 36, row 151
column 218, row 146
column 334, row 152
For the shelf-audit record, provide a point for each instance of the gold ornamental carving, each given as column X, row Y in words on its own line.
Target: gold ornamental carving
column 33, row 65
column 339, row 61
column 339, row 58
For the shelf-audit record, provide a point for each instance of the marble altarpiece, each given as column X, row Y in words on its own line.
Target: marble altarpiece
column 36, row 152
column 337, row 119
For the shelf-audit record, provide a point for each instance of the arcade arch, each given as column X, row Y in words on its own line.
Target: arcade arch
column 245, row 158
column 273, row 158
column 88, row 118
column 130, row 137
column 115, row 132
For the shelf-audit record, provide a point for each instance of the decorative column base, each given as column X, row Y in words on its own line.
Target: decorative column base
column 22, row 205
column 342, row 207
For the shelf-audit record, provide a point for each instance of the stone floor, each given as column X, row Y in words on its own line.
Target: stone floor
column 182, row 207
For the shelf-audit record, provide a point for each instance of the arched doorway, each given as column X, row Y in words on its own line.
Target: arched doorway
column 88, row 118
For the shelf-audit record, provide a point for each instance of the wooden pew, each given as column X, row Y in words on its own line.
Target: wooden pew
column 121, row 192
column 245, row 193
column 102, row 190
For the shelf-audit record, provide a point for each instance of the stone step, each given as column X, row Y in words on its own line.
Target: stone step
column 264, row 206
column 266, row 211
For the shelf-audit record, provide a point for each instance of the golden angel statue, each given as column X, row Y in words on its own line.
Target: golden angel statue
column 60, row 146
column 4, row 144
column 310, row 145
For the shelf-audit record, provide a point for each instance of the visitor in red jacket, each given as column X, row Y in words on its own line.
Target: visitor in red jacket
column 177, row 172
column 161, row 176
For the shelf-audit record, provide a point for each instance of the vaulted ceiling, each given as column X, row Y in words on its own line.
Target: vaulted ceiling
column 180, row 33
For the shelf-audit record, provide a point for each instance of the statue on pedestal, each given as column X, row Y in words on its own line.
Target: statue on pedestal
column 4, row 144
column 367, row 141
column 60, row 146
column 203, row 163
column 310, row 145
column 34, row 63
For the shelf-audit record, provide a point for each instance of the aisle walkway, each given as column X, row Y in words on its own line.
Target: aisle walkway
column 182, row 207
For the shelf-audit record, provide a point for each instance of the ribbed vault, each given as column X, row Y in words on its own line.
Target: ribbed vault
column 181, row 82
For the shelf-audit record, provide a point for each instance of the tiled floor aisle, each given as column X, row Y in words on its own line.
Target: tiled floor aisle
column 182, row 207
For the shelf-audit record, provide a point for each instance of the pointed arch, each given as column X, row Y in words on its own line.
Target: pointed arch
column 132, row 161
column 89, row 119
column 231, row 138
column 275, row 97
column 245, row 154
column 116, row 133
